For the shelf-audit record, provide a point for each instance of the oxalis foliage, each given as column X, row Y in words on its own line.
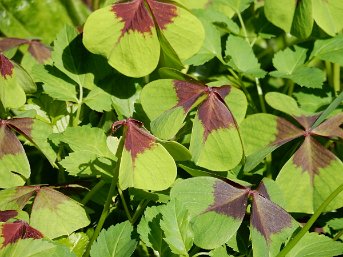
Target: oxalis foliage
column 171, row 128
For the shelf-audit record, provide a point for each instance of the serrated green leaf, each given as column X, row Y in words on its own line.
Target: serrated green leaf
column 177, row 228
column 116, row 241
column 242, row 57
column 151, row 233
column 35, row 247
column 76, row 242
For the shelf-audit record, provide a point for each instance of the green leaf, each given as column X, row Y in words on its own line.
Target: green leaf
column 116, row 241
column 220, row 252
column 121, row 41
column 42, row 19
column 177, row 228
column 315, row 245
column 176, row 150
column 151, row 233
column 15, row 198
column 289, row 65
column 56, row 84
column 329, row 49
column 35, row 247
column 55, row 214
column 207, row 200
column 328, row 14
column 76, row 242
column 242, row 57
column 15, row 82
column 284, row 103
column 309, row 177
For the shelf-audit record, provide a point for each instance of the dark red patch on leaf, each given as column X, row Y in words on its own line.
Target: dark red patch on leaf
column 187, row 93
column 164, row 13
column 267, row 217
column 214, row 114
column 39, row 51
column 312, row 156
column 262, row 190
column 286, row 131
column 330, row 127
column 11, row 42
column 23, row 194
column 6, row 67
column 6, row 215
column 135, row 16
column 223, row 91
column 12, row 232
column 22, row 126
column 137, row 139
column 229, row 200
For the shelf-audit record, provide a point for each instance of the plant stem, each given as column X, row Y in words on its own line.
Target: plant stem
column 126, row 208
column 76, row 121
column 328, row 69
column 140, row 209
column 338, row 235
column 110, row 194
column 336, row 78
column 94, row 190
column 290, row 87
column 260, row 95
column 201, row 253
column 243, row 26
column 310, row 222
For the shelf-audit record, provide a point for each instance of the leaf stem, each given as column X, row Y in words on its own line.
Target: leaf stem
column 76, row 121
column 336, row 78
column 243, row 26
column 260, row 95
column 140, row 209
column 338, row 235
column 290, row 87
column 328, row 68
column 126, row 208
column 94, row 190
column 310, row 222
column 108, row 202
column 201, row 254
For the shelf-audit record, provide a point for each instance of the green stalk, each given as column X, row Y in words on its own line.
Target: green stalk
column 310, row 222
column 140, row 209
column 92, row 192
column 243, row 26
column 338, row 235
column 76, row 120
column 110, row 194
column 126, row 208
column 336, row 78
column 290, row 87
column 328, row 68
column 260, row 95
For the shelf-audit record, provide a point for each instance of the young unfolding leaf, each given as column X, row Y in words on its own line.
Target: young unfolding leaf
column 12, row 232
column 313, row 172
column 14, row 83
column 53, row 213
column 167, row 103
column 144, row 163
column 217, row 209
column 127, row 34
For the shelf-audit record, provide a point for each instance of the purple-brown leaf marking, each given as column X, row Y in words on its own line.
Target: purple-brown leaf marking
column 12, row 232
column 22, row 126
column 267, row 217
column 223, row 91
column 48, row 198
column 229, row 200
column 286, row 131
column 11, row 42
column 39, row 51
column 23, row 194
column 164, row 13
column 312, row 156
column 137, row 139
column 330, row 127
column 6, row 215
column 214, row 115
column 135, row 17
column 307, row 121
column 262, row 190
column 9, row 143
column 6, row 67
column 187, row 93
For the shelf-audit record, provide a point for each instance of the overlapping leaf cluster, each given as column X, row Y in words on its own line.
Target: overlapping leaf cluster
column 171, row 128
